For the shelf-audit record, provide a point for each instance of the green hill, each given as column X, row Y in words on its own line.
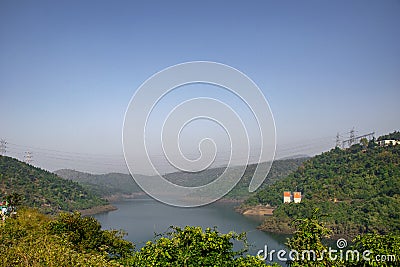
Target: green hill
column 279, row 169
column 42, row 189
column 104, row 185
column 358, row 187
column 122, row 185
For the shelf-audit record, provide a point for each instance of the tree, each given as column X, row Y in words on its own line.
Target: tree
column 307, row 238
column 26, row 242
column 14, row 200
column 192, row 246
column 384, row 249
column 364, row 142
column 85, row 235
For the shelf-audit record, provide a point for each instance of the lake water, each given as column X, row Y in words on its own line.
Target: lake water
column 141, row 218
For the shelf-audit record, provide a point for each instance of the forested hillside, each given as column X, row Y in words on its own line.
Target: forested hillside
column 119, row 184
column 42, row 189
column 104, row 185
column 358, row 187
column 279, row 169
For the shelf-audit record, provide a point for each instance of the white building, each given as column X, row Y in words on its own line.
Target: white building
column 388, row 142
column 287, row 197
column 297, row 197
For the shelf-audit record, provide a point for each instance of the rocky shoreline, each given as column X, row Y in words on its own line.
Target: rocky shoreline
column 270, row 223
column 119, row 197
column 259, row 210
column 97, row 210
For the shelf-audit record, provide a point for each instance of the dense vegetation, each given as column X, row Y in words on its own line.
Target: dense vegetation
column 358, row 187
column 391, row 136
column 192, row 246
column 104, row 185
column 34, row 239
column 42, row 189
column 373, row 249
column 279, row 169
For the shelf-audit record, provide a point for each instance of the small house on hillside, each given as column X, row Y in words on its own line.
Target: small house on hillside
column 388, row 142
column 297, row 197
column 287, row 197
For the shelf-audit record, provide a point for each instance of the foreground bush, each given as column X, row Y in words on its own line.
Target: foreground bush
column 84, row 234
column 383, row 250
column 34, row 239
column 25, row 241
column 192, row 246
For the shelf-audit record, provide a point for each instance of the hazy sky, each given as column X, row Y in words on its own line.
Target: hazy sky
column 68, row 69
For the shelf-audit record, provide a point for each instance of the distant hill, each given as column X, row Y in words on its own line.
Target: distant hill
column 104, row 185
column 358, row 187
column 279, row 169
column 43, row 189
column 298, row 156
column 119, row 185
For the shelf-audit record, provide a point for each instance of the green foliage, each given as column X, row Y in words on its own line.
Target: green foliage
column 358, row 187
column 392, row 136
column 14, row 200
column 385, row 249
column 26, row 241
column 308, row 237
column 192, row 246
column 85, row 235
column 39, row 188
column 35, row 239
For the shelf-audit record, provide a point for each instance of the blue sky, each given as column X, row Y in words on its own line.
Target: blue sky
column 69, row 68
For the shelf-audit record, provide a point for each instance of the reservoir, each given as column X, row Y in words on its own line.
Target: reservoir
column 142, row 218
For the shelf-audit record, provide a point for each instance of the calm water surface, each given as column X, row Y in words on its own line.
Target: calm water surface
column 141, row 218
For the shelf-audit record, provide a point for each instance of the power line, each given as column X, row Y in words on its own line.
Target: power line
column 100, row 161
column 338, row 142
column 353, row 139
column 64, row 152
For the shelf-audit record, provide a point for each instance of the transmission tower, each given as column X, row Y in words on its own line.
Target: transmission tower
column 352, row 137
column 28, row 157
column 338, row 140
column 3, row 147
